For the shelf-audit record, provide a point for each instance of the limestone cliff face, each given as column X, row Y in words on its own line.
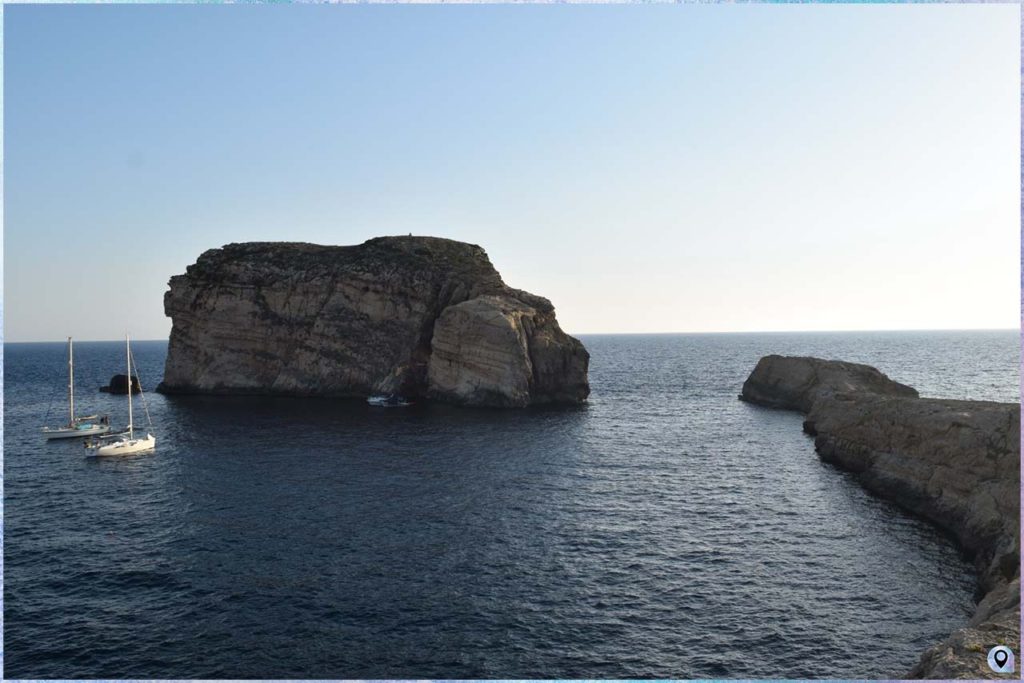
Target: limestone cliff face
column 304, row 319
column 497, row 350
column 956, row 463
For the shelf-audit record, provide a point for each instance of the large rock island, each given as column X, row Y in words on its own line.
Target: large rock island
column 955, row 463
column 419, row 316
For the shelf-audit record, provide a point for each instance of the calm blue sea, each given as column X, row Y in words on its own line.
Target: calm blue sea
column 664, row 530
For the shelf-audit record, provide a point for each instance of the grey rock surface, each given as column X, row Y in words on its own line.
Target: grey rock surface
column 955, row 463
column 303, row 319
column 796, row 382
column 964, row 653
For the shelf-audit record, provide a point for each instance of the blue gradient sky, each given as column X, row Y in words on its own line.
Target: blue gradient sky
column 647, row 168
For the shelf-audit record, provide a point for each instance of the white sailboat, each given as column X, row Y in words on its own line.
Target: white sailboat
column 126, row 443
column 85, row 425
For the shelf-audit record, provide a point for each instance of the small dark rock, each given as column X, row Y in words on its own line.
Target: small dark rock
column 119, row 385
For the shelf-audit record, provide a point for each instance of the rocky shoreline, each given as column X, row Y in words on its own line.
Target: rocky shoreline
column 954, row 463
column 423, row 317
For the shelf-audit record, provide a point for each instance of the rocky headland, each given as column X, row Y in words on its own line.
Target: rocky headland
column 955, row 463
column 418, row 316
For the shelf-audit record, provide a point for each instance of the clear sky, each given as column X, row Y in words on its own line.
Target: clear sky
column 649, row 168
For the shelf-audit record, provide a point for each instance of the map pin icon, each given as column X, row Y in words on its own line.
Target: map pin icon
column 1000, row 656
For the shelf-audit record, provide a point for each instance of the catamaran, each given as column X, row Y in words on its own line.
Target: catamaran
column 126, row 443
column 83, row 425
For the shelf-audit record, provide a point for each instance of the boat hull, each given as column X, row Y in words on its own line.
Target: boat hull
column 75, row 432
column 126, row 447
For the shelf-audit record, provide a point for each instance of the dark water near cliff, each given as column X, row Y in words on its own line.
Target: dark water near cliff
column 665, row 530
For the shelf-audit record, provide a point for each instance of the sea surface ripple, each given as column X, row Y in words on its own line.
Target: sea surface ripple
column 665, row 529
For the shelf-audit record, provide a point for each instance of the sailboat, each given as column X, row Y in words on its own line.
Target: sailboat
column 126, row 443
column 85, row 425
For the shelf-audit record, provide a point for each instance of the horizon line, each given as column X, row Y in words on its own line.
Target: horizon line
column 609, row 334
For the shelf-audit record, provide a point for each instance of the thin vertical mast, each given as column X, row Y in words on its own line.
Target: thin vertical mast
column 128, row 357
column 71, row 382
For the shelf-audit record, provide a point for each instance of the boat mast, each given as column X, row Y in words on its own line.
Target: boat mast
column 128, row 356
column 71, row 382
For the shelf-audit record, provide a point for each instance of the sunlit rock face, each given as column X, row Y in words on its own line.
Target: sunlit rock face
column 505, row 351
column 380, row 317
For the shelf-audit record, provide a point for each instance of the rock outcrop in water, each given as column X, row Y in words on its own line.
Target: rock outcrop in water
column 795, row 383
column 955, row 463
column 420, row 316
column 119, row 385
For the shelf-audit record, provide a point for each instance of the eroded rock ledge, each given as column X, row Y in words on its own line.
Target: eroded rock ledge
column 420, row 316
column 797, row 382
column 955, row 463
